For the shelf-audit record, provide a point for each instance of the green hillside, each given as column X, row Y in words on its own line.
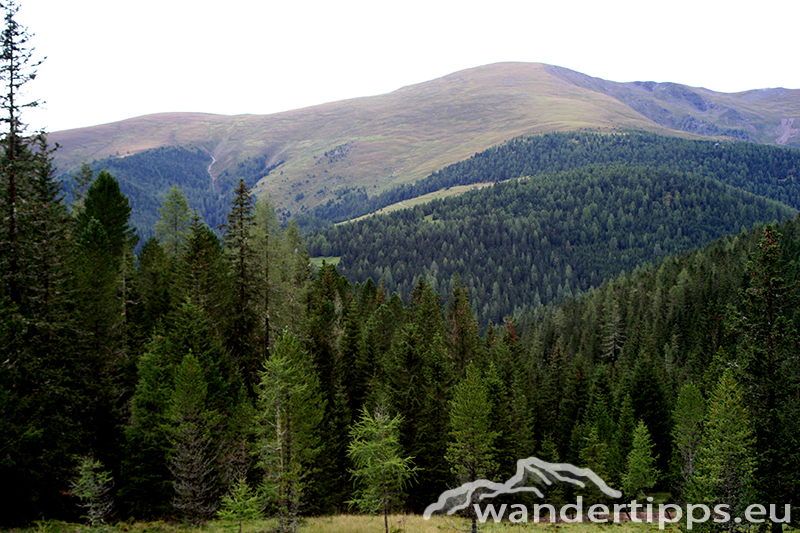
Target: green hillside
column 146, row 178
column 684, row 320
column 529, row 242
column 765, row 170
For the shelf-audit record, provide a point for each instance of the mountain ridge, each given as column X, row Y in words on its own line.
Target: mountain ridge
column 381, row 141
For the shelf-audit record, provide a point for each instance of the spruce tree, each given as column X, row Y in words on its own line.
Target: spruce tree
column 156, row 287
column 173, row 229
column 45, row 382
column 148, row 481
column 92, row 486
column 107, row 205
column 687, row 430
column 240, row 503
column 203, row 267
column 462, row 329
column 192, row 459
column 594, row 455
column 623, row 439
column 380, row 468
column 291, row 408
column 769, row 366
column 641, row 473
column 242, row 317
column 726, row 464
column 471, row 451
column 17, row 67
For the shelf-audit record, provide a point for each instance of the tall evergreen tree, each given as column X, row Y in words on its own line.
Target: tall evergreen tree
column 107, row 205
column 623, row 438
column 147, row 479
column 291, row 408
column 44, row 381
column 283, row 274
column 641, row 473
column 82, row 179
column 471, row 450
column 173, row 230
column 687, row 430
column 462, row 329
column 17, row 67
column 204, row 272
column 769, row 363
column 726, row 460
column 380, row 468
column 193, row 457
column 594, row 455
column 242, row 318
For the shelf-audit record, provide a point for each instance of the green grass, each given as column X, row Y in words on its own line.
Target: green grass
column 425, row 198
column 339, row 524
column 347, row 524
column 331, row 260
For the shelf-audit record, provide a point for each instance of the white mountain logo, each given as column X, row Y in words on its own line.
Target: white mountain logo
column 460, row 498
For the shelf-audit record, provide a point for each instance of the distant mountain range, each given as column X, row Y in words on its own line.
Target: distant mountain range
column 309, row 156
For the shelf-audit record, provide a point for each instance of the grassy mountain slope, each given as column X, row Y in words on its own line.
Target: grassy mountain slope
column 381, row 141
column 764, row 116
column 768, row 171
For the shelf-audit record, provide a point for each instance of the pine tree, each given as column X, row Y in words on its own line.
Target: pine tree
column 641, row 473
column 174, row 228
column 687, row 430
column 381, row 471
column 725, row 463
column 240, row 503
column 107, row 205
column 462, row 329
column 92, row 486
column 769, row 366
column 191, row 433
column 291, row 409
column 471, row 452
column 593, row 455
column 242, row 321
column 45, row 383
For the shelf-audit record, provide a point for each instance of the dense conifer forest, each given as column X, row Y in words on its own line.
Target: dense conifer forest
column 216, row 373
column 765, row 170
column 145, row 178
column 521, row 244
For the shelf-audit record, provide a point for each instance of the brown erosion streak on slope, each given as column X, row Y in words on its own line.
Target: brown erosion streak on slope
column 786, row 131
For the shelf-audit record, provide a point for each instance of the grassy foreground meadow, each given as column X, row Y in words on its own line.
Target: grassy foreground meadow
column 339, row 524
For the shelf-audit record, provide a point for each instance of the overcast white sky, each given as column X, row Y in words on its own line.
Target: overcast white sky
column 108, row 60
